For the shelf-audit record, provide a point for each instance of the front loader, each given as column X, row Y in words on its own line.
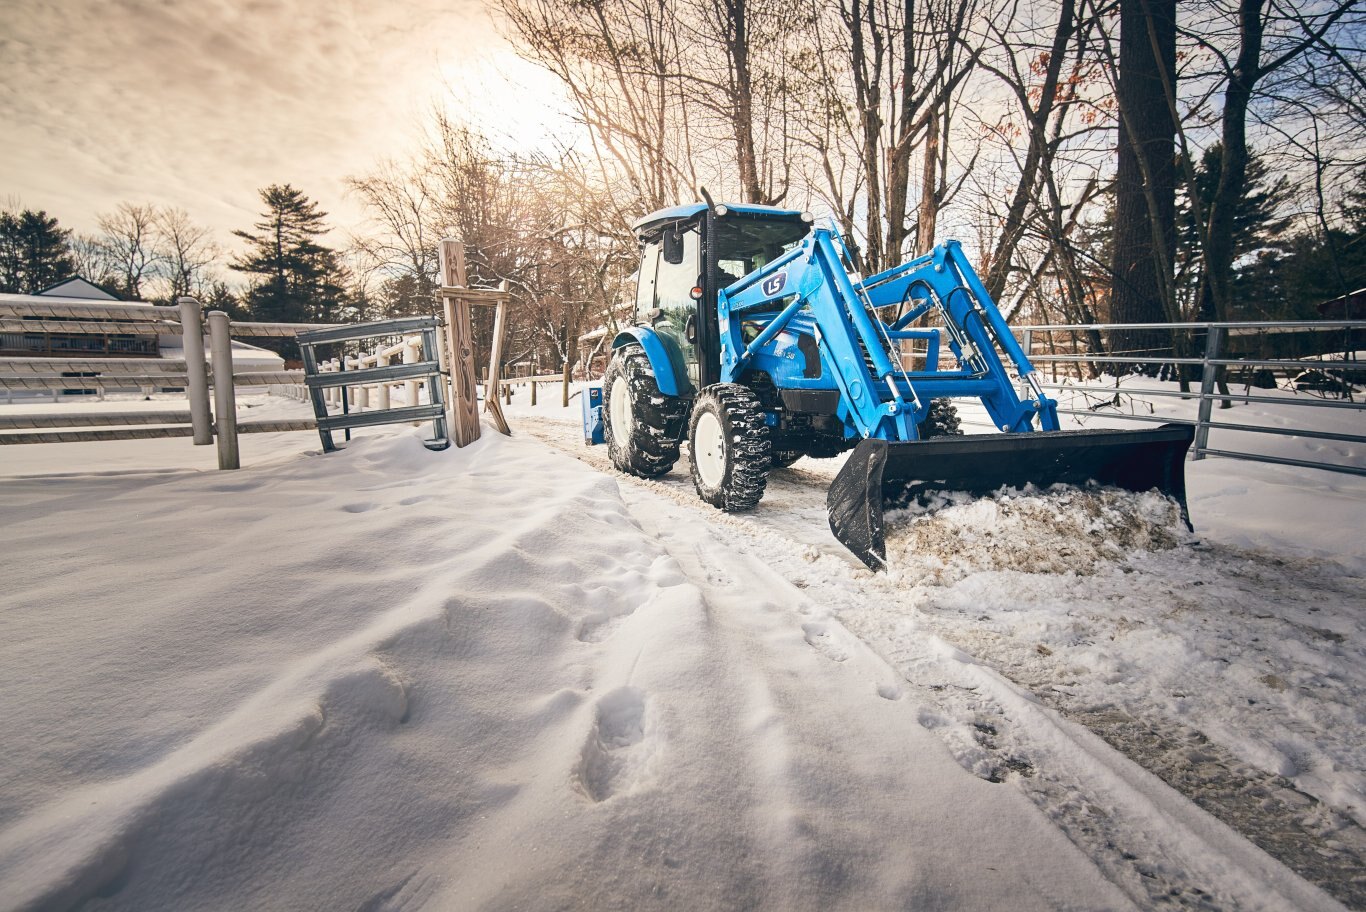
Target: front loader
column 755, row 344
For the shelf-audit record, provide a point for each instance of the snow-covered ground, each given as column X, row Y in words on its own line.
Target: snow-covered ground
column 502, row 677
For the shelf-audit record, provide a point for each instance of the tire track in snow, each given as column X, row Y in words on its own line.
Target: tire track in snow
column 996, row 743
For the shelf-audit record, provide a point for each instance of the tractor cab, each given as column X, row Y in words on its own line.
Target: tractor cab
column 688, row 253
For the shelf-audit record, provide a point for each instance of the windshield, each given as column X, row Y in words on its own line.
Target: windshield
column 745, row 244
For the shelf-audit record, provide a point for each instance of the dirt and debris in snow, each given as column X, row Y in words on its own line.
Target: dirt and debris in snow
column 1064, row 529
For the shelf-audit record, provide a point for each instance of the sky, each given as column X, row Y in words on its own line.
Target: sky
column 200, row 103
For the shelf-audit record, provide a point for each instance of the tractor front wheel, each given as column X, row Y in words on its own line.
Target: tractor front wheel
column 642, row 426
column 729, row 447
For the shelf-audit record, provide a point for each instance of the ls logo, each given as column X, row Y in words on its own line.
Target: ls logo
column 774, row 284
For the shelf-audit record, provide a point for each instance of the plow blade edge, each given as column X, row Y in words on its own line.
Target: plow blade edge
column 883, row 475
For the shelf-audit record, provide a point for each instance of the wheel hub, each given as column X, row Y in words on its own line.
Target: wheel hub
column 620, row 413
column 709, row 449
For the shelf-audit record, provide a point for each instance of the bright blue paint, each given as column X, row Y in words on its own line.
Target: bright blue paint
column 592, row 415
column 818, row 299
column 676, row 213
column 671, row 377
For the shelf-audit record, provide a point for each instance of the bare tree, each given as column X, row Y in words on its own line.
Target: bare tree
column 882, row 77
column 129, row 238
column 92, row 260
column 617, row 59
column 185, row 252
column 402, row 235
column 1269, row 39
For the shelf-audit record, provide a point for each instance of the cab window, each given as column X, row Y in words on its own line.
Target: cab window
column 673, row 287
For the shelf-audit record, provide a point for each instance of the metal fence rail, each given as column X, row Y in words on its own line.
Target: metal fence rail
column 58, row 323
column 1212, row 363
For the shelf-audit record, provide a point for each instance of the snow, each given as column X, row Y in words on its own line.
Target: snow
column 502, row 677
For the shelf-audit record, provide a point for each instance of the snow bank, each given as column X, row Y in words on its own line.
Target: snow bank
column 389, row 678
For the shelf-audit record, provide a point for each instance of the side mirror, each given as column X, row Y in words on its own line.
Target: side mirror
column 673, row 247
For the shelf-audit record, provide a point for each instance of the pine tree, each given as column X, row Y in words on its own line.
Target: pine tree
column 1258, row 244
column 34, row 252
column 297, row 276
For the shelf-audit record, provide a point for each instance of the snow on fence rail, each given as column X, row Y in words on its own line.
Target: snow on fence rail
column 198, row 374
column 191, row 373
column 1214, row 366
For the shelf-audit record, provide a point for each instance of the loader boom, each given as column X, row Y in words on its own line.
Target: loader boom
column 882, row 399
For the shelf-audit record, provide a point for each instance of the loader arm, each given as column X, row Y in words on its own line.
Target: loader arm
column 880, row 399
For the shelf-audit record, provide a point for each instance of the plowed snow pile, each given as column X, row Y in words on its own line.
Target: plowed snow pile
column 1063, row 529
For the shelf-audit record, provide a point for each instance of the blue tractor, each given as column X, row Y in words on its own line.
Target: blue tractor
column 754, row 343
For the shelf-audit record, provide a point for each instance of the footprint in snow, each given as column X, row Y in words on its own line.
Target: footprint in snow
column 818, row 636
column 598, row 626
column 618, row 749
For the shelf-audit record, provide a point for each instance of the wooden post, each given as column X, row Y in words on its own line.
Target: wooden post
column 533, row 392
column 196, row 369
column 495, row 368
column 464, row 394
column 568, row 371
column 224, row 396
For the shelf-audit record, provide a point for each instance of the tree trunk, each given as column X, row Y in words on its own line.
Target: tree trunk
column 1145, row 181
column 928, row 215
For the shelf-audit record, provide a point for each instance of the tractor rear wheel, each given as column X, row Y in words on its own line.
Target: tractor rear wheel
column 729, row 447
column 641, row 425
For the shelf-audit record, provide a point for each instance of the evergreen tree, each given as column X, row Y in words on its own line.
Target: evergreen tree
column 218, row 296
column 298, row 279
column 1257, row 242
column 34, row 252
column 1327, row 263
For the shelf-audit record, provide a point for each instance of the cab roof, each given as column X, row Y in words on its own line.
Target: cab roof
column 691, row 210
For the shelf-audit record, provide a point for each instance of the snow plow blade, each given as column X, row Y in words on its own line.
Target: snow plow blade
column 883, row 475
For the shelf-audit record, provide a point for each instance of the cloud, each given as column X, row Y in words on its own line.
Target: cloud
column 198, row 103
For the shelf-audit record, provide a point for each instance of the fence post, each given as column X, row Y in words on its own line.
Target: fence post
column 464, row 405
column 362, row 392
column 1208, row 372
column 533, row 392
column 197, row 369
column 382, row 360
column 410, row 356
column 224, row 397
column 568, row 369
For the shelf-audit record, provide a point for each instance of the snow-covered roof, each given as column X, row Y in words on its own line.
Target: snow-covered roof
column 78, row 287
column 46, row 298
column 244, row 356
